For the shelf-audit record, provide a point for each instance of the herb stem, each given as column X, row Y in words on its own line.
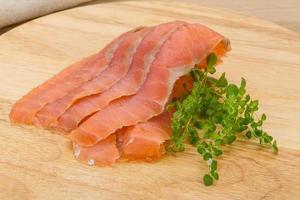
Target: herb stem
column 213, row 114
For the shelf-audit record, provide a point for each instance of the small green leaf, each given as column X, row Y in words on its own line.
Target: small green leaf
column 218, row 141
column 207, row 135
column 194, row 140
column 243, row 83
column 257, row 132
column 263, row 117
column 207, row 156
column 211, row 60
column 270, row 138
column 214, row 165
column 197, row 124
column 274, row 146
column 206, row 126
column 218, row 152
column 212, row 80
column 209, row 112
column 215, row 175
column 211, row 69
column 247, row 98
column 230, row 139
column 259, row 123
column 267, row 138
column 241, row 128
column 207, row 180
column 254, row 125
column 248, row 134
column 193, row 75
column 222, row 82
column 201, row 150
column 204, row 144
column 247, row 120
column 215, row 136
column 232, row 90
column 254, row 105
column 193, row 131
column 180, row 147
column 242, row 91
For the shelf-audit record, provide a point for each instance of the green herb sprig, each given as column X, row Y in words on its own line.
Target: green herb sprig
column 213, row 114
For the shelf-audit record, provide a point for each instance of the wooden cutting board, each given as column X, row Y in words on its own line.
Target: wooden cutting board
column 35, row 164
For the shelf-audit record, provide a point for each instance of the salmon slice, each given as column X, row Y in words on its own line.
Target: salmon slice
column 103, row 153
column 187, row 46
column 145, row 141
column 127, row 86
column 118, row 68
column 58, row 86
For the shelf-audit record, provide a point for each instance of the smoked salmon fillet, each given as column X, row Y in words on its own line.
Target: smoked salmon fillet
column 150, row 135
column 144, row 141
column 103, row 153
column 23, row 112
column 127, row 86
column 117, row 68
column 187, row 46
column 112, row 104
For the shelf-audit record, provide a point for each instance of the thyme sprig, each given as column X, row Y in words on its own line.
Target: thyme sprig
column 213, row 114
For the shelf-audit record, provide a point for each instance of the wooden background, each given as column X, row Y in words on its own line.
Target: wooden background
column 35, row 164
column 283, row 12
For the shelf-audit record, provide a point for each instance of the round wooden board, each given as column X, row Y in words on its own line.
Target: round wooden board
column 35, row 164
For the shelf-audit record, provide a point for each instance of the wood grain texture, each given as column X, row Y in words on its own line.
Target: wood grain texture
column 12, row 12
column 283, row 12
column 35, row 164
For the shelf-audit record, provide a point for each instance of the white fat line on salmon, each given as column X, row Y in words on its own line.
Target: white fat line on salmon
column 175, row 75
column 130, row 141
column 152, row 55
column 111, row 48
column 109, row 54
column 91, row 162
column 76, row 150
column 176, row 71
column 133, row 48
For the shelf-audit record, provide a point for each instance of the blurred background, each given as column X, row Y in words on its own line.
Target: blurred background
column 283, row 12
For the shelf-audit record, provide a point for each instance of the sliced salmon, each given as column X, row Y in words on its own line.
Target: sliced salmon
column 118, row 68
column 127, row 86
column 187, row 46
column 145, row 141
column 114, row 101
column 58, row 86
column 103, row 153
